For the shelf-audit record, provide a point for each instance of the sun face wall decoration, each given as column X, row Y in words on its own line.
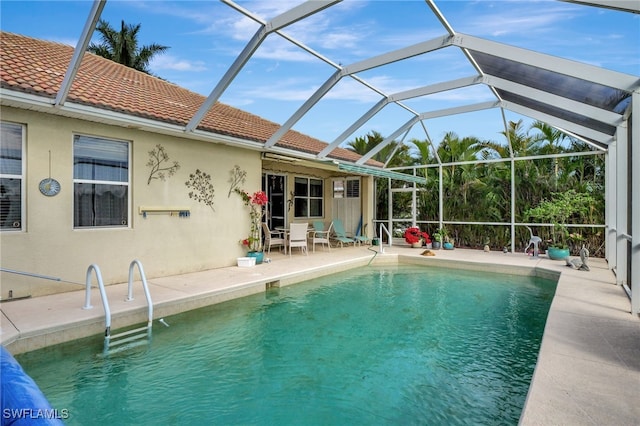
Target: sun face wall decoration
column 49, row 186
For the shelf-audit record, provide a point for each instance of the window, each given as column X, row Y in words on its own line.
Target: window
column 308, row 198
column 100, row 182
column 11, row 176
column 349, row 188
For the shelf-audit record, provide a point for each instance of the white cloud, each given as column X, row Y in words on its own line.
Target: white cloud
column 281, row 50
column 517, row 18
column 282, row 90
column 170, row 62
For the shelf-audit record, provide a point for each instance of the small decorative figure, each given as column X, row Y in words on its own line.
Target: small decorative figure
column 428, row 253
column 534, row 241
column 486, row 248
column 580, row 264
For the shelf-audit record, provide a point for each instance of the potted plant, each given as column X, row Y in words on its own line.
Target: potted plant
column 254, row 241
column 437, row 240
column 557, row 212
column 415, row 237
column 438, row 237
column 448, row 243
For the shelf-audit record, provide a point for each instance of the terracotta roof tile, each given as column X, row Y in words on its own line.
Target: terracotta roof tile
column 38, row 67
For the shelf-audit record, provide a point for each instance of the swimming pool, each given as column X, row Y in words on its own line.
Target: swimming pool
column 377, row 345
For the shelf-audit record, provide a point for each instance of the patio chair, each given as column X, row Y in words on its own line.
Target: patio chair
column 298, row 237
column 319, row 235
column 273, row 238
column 340, row 235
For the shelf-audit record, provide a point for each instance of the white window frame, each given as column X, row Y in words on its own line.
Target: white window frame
column 308, row 197
column 104, row 182
column 19, row 227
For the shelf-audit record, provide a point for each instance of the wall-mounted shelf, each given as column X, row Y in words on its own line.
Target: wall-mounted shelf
column 179, row 211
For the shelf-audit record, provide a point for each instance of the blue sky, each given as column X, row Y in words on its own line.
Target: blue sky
column 205, row 37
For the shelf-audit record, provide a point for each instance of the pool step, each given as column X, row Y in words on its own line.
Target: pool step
column 127, row 339
column 128, row 336
column 113, row 339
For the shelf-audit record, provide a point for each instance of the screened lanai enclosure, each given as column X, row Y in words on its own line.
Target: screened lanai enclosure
column 567, row 131
column 576, row 155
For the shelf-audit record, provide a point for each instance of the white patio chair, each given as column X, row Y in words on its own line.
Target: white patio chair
column 273, row 238
column 298, row 237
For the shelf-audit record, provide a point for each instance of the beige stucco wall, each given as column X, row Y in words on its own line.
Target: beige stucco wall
column 165, row 245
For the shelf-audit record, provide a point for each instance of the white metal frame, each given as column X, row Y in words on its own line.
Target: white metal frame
column 617, row 145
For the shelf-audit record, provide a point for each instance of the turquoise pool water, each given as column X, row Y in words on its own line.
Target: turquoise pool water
column 394, row 345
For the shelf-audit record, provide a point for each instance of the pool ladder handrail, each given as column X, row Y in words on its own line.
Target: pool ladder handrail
column 389, row 237
column 126, row 336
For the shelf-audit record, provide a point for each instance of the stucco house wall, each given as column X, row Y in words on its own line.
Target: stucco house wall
column 107, row 100
column 165, row 244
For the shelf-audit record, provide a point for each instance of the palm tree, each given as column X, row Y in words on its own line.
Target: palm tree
column 122, row 47
column 427, row 200
column 549, row 141
column 399, row 152
column 548, row 138
column 397, row 155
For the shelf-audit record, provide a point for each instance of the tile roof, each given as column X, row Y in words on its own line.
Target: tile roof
column 38, row 67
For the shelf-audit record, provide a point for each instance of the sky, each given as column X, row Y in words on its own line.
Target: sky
column 205, row 37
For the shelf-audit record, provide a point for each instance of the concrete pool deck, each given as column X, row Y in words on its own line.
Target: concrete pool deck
column 588, row 369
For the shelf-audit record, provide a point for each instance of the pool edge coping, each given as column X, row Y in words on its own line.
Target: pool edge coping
column 37, row 338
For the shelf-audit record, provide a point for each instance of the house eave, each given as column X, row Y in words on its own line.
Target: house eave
column 43, row 104
column 83, row 112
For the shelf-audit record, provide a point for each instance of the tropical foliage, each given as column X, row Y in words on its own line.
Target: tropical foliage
column 122, row 46
column 393, row 154
column 481, row 191
column 559, row 210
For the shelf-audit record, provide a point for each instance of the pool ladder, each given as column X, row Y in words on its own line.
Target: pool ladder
column 127, row 338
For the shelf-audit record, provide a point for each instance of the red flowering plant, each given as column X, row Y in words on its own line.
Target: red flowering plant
column 414, row 235
column 256, row 202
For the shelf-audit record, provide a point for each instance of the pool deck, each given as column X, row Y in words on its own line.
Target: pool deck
column 588, row 370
